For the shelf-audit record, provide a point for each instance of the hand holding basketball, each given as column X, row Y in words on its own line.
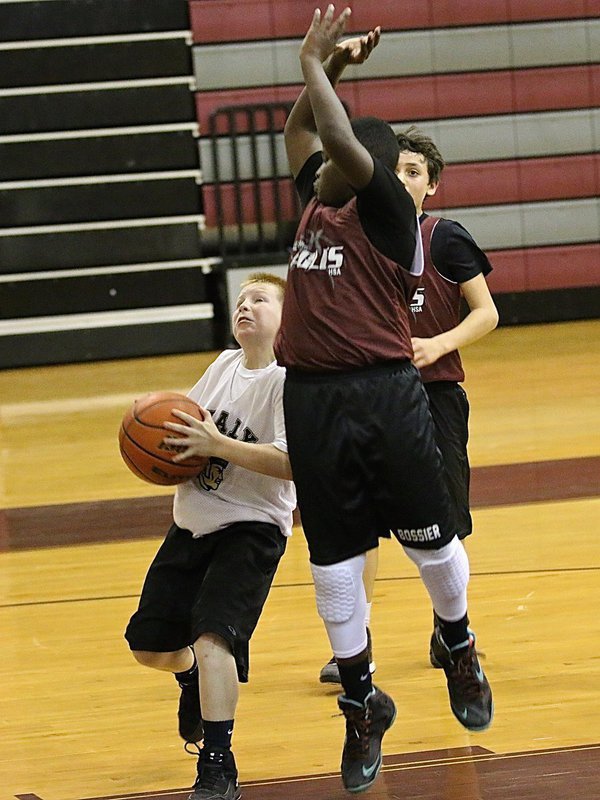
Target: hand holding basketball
column 142, row 439
column 199, row 437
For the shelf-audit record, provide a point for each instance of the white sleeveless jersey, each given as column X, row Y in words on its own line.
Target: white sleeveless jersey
column 246, row 405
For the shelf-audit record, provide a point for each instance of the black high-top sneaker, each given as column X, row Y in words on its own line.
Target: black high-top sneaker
column 436, row 649
column 217, row 776
column 469, row 690
column 365, row 725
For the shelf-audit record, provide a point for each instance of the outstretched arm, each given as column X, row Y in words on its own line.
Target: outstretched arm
column 302, row 137
column 332, row 122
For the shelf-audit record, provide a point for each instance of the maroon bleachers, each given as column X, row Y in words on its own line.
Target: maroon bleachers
column 546, row 150
column 241, row 20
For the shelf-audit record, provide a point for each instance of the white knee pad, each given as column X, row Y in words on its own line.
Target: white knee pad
column 342, row 603
column 336, row 588
column 445, row 573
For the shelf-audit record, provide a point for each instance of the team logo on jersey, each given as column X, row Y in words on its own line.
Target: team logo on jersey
column 418, row 300
column 314, row 252
column 212, row 476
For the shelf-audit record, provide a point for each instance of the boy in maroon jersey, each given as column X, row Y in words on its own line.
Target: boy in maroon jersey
column 360, row 435
column 455, row 268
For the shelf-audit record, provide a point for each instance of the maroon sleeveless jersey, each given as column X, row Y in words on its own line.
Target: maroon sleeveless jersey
column 435, row 308
column 346, row 304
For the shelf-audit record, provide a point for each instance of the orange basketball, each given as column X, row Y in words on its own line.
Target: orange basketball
column 141, row 439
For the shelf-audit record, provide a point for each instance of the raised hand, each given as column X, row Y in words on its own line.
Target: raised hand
column 359, row 48
column 324, row 31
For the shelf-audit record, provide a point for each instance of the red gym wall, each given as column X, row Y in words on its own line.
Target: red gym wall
column 507, row 88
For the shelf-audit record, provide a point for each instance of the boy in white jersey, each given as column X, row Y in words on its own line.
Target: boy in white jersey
column 205, row 589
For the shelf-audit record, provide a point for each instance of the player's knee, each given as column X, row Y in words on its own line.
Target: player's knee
column 446, row 569
column 336, row 589
column 209, row 643
column 148, row 658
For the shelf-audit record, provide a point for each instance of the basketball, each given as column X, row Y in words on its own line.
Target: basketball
column 141, row 439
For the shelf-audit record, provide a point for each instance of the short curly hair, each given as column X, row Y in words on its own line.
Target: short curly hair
column 378, row 138
column 415, row 141
column 266, row 277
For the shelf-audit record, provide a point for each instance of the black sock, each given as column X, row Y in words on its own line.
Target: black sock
column 436, row 619
column 454, row 634
column 356, row 679
column 218, row 734
column 190, row 675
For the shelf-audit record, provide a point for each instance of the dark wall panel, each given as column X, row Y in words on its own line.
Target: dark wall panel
column 27, row 162
column 62, row 111
column 102, row 293
column 102, row 155
column 99, row 247
column 102, row 201
column 63, row 18
column 44, row 66
column 560, row 305
column 64, row 347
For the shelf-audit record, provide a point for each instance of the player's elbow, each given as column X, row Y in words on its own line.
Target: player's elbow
column 289, row 129
column 487, row 314
column 280, row 463
column 286, row 470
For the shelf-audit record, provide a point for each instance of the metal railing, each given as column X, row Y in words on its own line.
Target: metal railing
column 256, row 208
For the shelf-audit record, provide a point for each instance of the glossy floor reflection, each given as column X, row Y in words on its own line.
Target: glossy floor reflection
column 471, row 773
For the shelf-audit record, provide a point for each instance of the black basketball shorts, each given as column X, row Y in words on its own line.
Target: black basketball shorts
column 449, row 408
column 213, row 584
column 363, row 454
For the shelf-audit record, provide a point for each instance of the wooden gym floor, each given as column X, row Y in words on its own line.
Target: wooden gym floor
column 79, row 719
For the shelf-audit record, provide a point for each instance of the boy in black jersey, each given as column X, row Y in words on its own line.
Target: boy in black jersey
column 360, row 435
column 455, row 268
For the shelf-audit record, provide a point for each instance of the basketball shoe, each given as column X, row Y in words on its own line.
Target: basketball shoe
column 189, row 715
column 330, row 672
column 217, row 776
column 436, row 650
column 365, row 725
column 470, row 693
